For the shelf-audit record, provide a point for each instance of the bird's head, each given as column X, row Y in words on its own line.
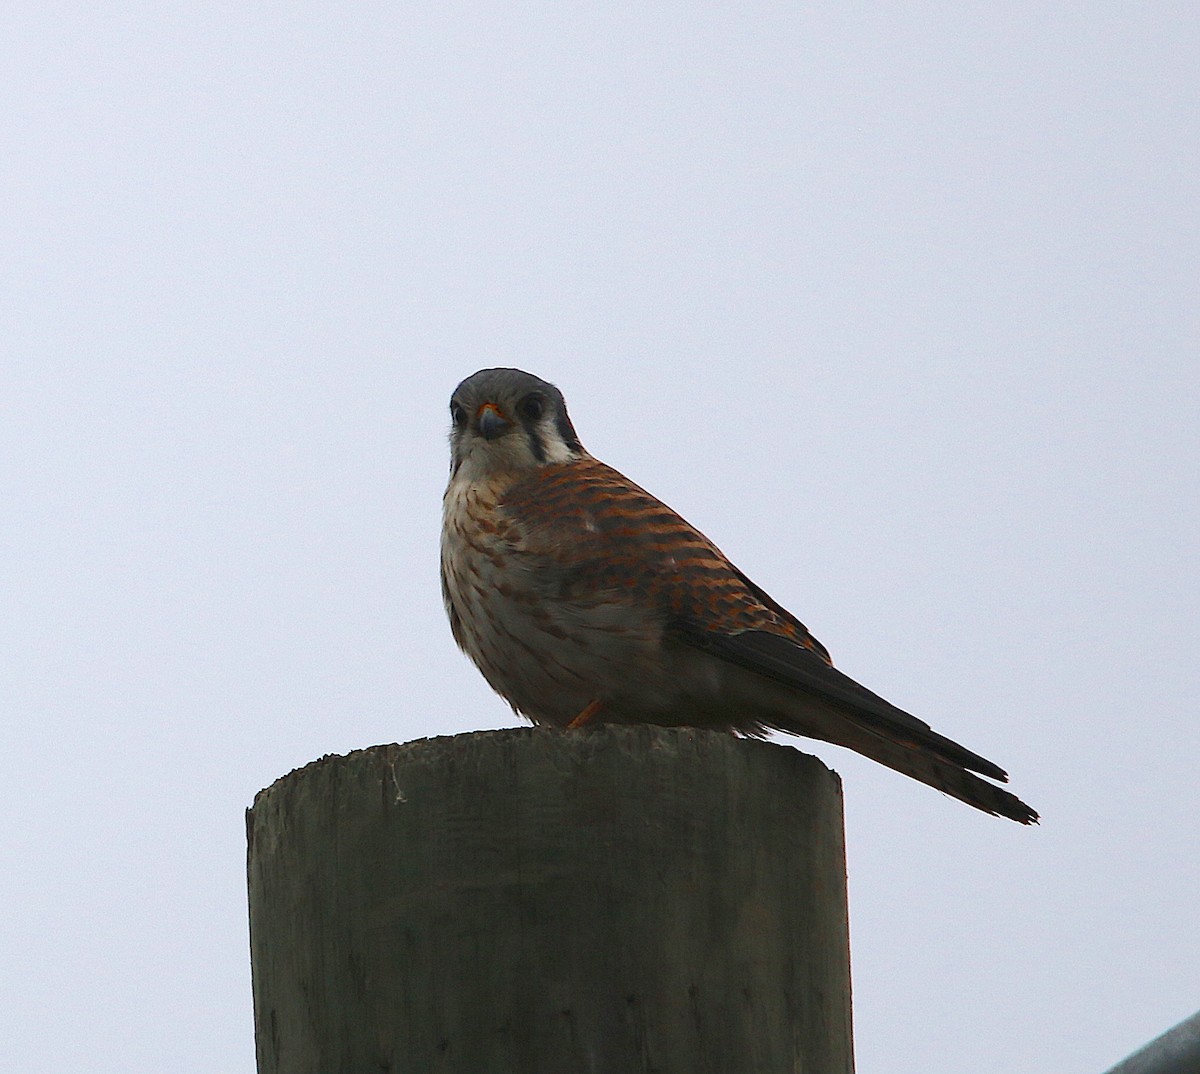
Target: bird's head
column 506, row 419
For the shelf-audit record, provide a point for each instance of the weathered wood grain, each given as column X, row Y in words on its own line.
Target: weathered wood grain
column 623, row 900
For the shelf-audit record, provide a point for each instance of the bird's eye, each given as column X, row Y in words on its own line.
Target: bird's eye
column 531, row 407
column 458, row 414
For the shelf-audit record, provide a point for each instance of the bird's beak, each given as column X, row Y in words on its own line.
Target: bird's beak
column 492, row 423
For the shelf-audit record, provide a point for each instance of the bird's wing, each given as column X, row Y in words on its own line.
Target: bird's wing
column 598, row 536
column 850, row 715
column 778, row 658
column 594, row 534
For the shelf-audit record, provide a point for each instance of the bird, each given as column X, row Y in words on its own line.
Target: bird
column 585, row 600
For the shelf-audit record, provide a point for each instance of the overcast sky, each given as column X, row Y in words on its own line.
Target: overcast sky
column 898, row 303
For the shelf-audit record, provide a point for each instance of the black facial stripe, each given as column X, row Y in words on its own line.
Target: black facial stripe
column 566, row 430
column 535, row 441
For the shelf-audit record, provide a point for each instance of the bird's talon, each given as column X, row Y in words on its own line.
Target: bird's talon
column 585, row 717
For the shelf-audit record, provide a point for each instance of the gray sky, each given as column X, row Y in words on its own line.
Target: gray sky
column 897, row 303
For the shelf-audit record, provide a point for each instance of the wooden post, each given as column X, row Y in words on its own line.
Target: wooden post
column 622, row 900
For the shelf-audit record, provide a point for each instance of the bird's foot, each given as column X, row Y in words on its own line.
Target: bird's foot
column 586, row 716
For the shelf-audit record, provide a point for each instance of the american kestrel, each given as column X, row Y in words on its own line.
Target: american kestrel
column 583, row 598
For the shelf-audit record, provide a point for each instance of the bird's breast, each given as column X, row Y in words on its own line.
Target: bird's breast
column 548, row 653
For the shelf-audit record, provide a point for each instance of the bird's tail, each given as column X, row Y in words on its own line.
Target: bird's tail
column 928, row 762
